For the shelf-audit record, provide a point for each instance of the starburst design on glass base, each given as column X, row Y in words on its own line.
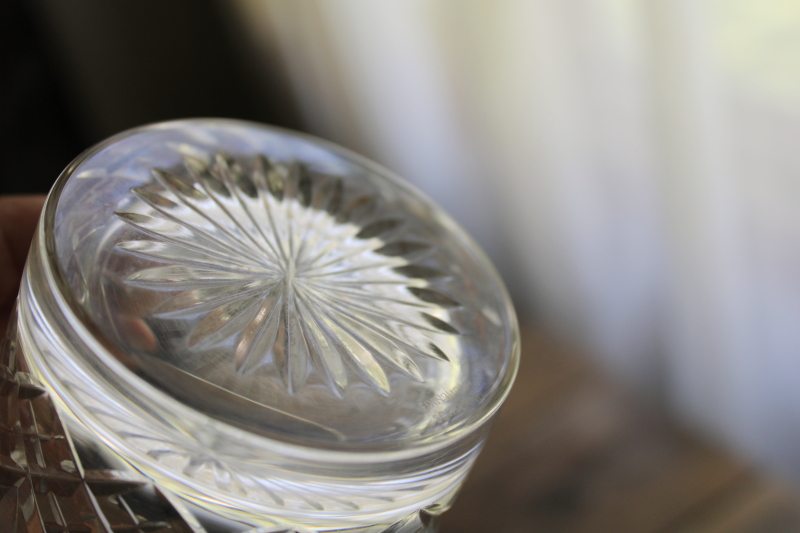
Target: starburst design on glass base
column 299, row 271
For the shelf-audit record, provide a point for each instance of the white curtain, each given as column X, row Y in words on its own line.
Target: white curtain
column 633, row 167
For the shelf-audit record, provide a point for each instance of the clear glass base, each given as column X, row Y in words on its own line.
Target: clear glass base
column 268, row 330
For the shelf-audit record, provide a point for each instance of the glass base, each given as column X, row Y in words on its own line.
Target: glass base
column 227, row 326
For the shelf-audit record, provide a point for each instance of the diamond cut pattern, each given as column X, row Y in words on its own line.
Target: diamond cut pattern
column 43, row 486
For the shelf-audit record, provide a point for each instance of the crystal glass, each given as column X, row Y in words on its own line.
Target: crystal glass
column 225, row 326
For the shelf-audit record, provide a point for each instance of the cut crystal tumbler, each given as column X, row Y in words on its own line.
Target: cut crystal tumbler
column 224, row 326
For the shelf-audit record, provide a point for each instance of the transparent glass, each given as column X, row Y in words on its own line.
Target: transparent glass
column 272, row 331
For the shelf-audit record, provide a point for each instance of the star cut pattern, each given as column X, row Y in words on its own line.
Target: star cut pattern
column 43, row 485
column 301, row 273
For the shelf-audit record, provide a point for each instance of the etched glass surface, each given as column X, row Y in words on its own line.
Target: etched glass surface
column 267, row 326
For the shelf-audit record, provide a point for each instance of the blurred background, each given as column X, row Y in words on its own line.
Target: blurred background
column 631, row 166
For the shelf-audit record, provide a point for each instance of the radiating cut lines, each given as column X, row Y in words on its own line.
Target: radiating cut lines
column 279, row 259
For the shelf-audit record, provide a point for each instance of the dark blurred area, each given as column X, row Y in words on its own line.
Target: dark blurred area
column 76, row 72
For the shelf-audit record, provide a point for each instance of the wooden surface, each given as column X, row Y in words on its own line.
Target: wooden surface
column 570, row 453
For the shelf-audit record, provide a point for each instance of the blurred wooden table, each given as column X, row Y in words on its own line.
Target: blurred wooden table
column 571, row 454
